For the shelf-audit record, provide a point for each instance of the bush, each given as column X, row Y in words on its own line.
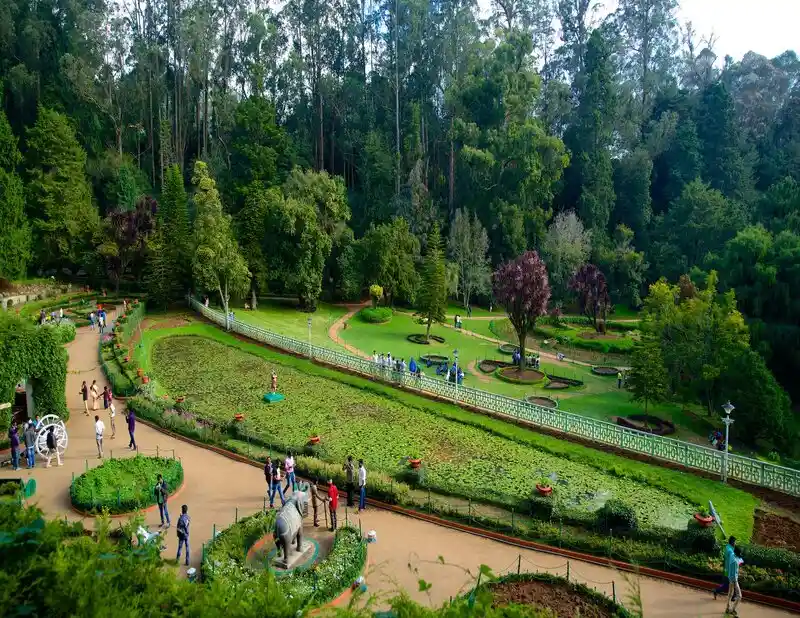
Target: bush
column 375, row 315
column 64, row 332
column 225, row 554
column 571, row 336
column 698, row 540
column 124, row 485
column 616, row 517
column 541, row 507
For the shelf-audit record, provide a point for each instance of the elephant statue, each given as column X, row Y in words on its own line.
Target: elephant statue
column 289, row 523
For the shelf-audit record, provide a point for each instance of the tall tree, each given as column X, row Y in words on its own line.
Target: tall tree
column 432, row 298
column 468, row 245
column 589, row 283
column 648, row 380
column 173, row 221
column 522, row 287
column 15, row 232
column 58, row 196
column 217, row 263
column 566, row 246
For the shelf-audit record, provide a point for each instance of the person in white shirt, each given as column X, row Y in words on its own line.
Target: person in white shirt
column 375, row 357
column 99, row 430
column 60, row 314
column 362, row 486
column 112, row 414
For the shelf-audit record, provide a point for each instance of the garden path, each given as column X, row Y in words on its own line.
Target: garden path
column 338, row 325
column 217, row 488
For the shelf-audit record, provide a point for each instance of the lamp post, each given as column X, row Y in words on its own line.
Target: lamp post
column 728, row 407
column 309, row 336
column 455, row 355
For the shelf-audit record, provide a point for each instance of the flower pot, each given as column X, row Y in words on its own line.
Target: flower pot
column 705, row 521
column 314, row 440
column 544, row 491
column 414, row 463
column 140, row 372
column 180, row 399
column 238, row 417
column 145, row 379
column 127, row 359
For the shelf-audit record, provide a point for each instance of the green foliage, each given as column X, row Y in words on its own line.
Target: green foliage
column 617, row 517
column 468, row 246
column 64, row 332
column 376, row 294
column 698, row 540
column 648, row 380
column 124, row 485
column 34, row 354
column 432, row 298
column 585, row 339
column 58, row 196
column 376, row 315
column 15, row 233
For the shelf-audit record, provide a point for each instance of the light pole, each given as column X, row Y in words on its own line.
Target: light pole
column 309, row 336
column 728, row 407
column 455, row 355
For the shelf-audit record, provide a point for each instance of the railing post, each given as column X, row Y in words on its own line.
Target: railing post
column 613, row 591
column 567, row 570
column 236, row 520
column 519, row 563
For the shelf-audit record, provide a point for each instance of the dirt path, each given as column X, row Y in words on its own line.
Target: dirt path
column 217, row 489
column 473, row 369
column 338, row 325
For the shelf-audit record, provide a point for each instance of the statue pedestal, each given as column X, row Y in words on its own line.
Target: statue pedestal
column 295, row 557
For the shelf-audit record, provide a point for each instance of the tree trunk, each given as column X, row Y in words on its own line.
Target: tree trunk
column 521, row 336
column 253, row 299
column 452, row 180
column 397, row 104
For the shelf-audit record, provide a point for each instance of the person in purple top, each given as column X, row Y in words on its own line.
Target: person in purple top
column 131, row 428
column 13, row 436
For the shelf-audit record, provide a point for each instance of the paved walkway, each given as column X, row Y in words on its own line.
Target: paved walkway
column 407, row 549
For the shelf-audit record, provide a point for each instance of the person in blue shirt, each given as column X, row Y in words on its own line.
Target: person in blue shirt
column 412, row 366
column 734, row 591
column 727, row 556
column 183, row 533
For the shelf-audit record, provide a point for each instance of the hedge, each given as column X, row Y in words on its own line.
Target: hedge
column 124, row 485
column 225, row 560
column 571, row 336
column 64, row 332
column 375, row 315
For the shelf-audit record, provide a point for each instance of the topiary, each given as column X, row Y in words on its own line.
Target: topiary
column 616, row 517
column 375, row 315
column 697, row 540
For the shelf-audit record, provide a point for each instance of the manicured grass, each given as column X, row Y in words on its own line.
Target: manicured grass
column 465, row 452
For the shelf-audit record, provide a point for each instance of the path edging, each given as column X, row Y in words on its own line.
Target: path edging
column 514, row 541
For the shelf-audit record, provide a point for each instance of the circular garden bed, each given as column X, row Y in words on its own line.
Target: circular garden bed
column 434, row 359
column 124, row 485
column 337, row 562
column 564, row 598
column 508, row 348
column 545, row 402
column 517, row 376
column 605, row 371
column 490, row 365
column 422, row 340
column 645, row 422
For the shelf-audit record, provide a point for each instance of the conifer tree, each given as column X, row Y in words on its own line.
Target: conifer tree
column 15, row 233
column 432, row 297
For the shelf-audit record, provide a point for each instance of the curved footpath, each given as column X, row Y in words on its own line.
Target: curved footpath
column 407, row 549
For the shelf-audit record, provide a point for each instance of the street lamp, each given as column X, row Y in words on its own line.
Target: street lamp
column 309, row 336
column 728, row 407
column 455, row 355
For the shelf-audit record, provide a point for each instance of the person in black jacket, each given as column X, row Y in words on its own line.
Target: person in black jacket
column 183, row 533
column 52, row 446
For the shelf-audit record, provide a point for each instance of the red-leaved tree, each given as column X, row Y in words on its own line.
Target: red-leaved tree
column 589, row 283
column 522, row 287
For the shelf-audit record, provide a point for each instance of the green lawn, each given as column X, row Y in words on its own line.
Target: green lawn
column 465, row 452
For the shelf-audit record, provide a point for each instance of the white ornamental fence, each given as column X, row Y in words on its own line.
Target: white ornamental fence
column 753, row 471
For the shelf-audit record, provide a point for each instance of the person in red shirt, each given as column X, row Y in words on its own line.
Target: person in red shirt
column 333, row 496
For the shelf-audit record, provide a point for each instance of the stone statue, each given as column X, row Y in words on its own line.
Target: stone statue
column 289, row 525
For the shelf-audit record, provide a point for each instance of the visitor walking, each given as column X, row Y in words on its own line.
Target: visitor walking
column 349, row 478
column 85, row 396
column 91, row 320
column 288, row 466
column 727, row 556
column 734, row 590
column 60, row 315
column 268, row 474
column 101, row 320
column 183, row 533
column 95, row 394
column 112, row 413
column 13, row 437
column 131, row 418
column 162, row 494
column 362, row 486
column 619, row 379
column 316, row 500
column 99, row 430
column 29, row 435
column 52, row 446
column 276, row 485
column 333, row 498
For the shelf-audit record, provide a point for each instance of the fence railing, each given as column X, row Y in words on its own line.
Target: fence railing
column 753, row 471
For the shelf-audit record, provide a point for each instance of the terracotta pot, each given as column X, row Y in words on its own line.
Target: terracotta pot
column 140, row 372
column 704, row 521
column 415, row 463
column 544, row 491
column 145, row 380
column 180, row 399
column 314, row 440
column 127, row 359
column 238, row 417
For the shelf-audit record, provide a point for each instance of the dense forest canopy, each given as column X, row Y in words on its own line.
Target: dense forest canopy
column 335, row 137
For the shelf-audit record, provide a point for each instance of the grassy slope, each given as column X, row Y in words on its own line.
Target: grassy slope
column 288, row 321
column 735, row 506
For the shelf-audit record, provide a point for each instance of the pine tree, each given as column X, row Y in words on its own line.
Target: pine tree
column 173, row 221
column 432, row 298
column 160, row 279
column 648, row 379
column 15, row 234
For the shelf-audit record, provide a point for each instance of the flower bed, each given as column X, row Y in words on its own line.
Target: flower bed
column 124, row 485
column 605, row 371
column 375, row 315
column 645, row 422
column 422, row 340
column 434, row 359
column 224, row 560
column 516, row 376
column 588, row 340
column 545, row 402
column 508, row 348
column 491, row 365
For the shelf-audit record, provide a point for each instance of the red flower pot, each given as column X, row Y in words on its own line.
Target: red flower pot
column 544, row 491
column 314, row 440
column 705, row 522
column 127, row 359
column 238, row 417
column 415, row 463
column 180, row 399
column 145, row 380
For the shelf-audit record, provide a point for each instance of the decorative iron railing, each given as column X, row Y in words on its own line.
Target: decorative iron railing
column 753, row 471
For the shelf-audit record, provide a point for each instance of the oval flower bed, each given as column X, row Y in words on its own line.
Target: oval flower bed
column 605, row 371
column 124, row 485
column 545, row 402
column 508, row 348
column 517, row 376
column 224, row 560
column 564, row 598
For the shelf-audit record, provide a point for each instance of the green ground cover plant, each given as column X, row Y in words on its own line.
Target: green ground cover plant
column 514, row 474
column 124, row 485
column 584, row 337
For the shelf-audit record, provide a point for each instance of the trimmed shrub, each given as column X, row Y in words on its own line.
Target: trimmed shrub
column 541, row 507
column 698, row 540
column 124, row 485
column 617, row 517
column 375, row 315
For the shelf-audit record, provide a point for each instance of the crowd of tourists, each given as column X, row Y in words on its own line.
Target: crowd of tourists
column 386, row 363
